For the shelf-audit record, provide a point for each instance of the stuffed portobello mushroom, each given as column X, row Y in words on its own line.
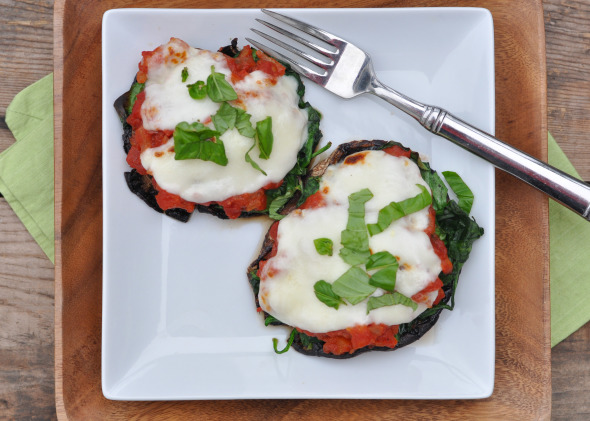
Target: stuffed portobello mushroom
column 369, row 256
column 227, row 132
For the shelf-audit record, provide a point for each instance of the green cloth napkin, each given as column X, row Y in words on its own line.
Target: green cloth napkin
column 26, row 167
column 569, row 260
column 26, row 181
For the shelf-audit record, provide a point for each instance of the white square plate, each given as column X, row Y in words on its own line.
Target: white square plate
column 179, row 319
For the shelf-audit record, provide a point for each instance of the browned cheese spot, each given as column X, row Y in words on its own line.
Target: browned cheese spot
column 356, row 158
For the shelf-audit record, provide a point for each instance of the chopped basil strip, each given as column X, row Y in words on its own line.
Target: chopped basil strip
column 243, row 123
column 197, row 90
column 228, row 117
column 321, row 150
column 250, row 161
column 463, row 192
column 218, row 88
column 324, row 246
column 264, row 137
column 275, row 343
column 354, row 238
column 353, row 285
column 397, row 210
column 196, row 141
column 390, row 300
column 381, row 260
column 184, row 74
column 387, row 264
column 270, row 319
column 384, row 278
column 225, row 118
column 323, row 290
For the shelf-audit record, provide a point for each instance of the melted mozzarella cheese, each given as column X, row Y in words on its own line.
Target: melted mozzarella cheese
column 287, row 280
column 168, row 103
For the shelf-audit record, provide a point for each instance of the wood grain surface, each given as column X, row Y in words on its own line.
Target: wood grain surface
column 522, row 380
column 26, row 275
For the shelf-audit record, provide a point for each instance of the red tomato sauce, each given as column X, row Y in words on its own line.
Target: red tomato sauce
column 347, row 341
column 171, row 201
column 437, row 244
column 247, row 202
column 422, row 297
column 316, row 200
column 244, row 64
column 142, row 139
column 397, row 150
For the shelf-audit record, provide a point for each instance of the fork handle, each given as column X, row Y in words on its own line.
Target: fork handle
column 558, row 185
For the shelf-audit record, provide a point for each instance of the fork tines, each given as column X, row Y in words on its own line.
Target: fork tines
column 303, row 27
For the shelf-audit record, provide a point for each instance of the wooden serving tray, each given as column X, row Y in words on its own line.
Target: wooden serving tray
column 523, row 372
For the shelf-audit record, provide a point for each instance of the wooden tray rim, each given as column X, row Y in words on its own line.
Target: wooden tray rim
column 59, row 10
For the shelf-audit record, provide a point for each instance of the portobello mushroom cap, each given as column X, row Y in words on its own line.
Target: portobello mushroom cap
column 142, row 186
column 408, row 332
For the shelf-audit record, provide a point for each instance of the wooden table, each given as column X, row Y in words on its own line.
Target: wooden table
column 26, row 275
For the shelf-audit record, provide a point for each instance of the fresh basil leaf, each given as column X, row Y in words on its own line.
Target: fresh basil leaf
column 323, row 290
column 197, row 90
column 353, row 285
column 249, row 160
column 254, row 281
column 305, row 155
column 307, row 341
column 463, row 192
column 381, row 260
column 387, row 264
column 440, row 233
column 312, row 185
column 321, row 150
column 194, row 131
column 264, row 137
column 390, row 300
column 225, row 118
column 277, row 204
column 354, row 238
column 228, row 117
column 243, row 123
column 194, row 141
column 460, row 232
column 324, row 246
column 403, row 300
column 270, row 320
column 184, row 74
column 397, row 210
column 277, row 199
column 136, row 88
column 385, row 278
column 275, row 343
column 218, row 88
column 437, row 187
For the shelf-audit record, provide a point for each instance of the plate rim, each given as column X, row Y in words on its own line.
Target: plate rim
column 492, row 193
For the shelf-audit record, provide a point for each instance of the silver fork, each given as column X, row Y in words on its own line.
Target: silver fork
column 347, row 71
